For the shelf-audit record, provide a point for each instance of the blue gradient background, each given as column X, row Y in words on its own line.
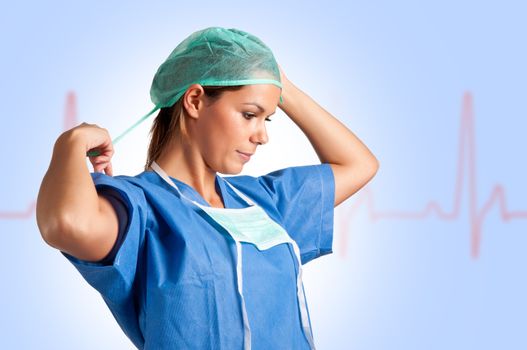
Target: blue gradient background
column 393, row 72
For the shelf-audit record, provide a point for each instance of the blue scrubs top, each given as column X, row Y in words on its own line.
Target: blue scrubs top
column 172, row 283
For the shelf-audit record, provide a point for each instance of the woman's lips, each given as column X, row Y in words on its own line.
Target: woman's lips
column 245, row 156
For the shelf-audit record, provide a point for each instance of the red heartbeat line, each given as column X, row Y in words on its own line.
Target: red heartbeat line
column 466, row 135
column 70, row 120
column 477, row 216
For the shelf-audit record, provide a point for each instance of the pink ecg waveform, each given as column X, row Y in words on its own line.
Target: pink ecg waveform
column 70, row 120
column 366, row 198
column 477, row 215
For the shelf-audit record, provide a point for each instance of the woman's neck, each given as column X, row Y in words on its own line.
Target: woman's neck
column 185, row 163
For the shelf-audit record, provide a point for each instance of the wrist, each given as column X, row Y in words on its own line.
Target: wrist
column 71, row 141
column 287, row 86
column 289, row 95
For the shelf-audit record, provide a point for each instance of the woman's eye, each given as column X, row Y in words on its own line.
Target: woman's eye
column 248, row 115
column 268, row 119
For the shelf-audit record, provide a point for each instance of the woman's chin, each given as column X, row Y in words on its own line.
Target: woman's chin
column 232, row 170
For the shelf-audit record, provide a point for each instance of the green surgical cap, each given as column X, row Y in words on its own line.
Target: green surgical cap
column 213, row 56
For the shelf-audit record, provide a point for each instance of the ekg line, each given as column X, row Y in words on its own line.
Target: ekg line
column 19, row 215
column 477, row 215
column 366, row 198
column 70, row 120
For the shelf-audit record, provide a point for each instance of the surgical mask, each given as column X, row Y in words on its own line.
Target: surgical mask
column 250, row 225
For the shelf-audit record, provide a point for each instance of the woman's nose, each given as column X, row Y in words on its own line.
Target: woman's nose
column 260, row 134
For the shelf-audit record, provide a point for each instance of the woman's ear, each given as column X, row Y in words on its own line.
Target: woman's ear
column 194, row 100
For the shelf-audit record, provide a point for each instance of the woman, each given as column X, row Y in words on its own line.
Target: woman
column 184, row 258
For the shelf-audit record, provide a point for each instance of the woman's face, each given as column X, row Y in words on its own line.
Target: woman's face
column 229, row 130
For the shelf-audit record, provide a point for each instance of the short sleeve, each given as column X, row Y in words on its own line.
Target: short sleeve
column 115, row 281
column 121, row 210
column 305, row 197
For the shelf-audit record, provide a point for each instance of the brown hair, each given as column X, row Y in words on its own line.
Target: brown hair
column 170, row 122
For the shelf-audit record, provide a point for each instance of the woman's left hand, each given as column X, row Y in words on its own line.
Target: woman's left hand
column 283, row 78
column 285, row 82
column 331, row 139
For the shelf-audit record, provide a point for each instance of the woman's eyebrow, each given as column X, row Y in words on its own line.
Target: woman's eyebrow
column 257, row 105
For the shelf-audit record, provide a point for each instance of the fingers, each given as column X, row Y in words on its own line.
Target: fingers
column 282, row 74
column 109, row 169
column 102, row 164
column 101, row 159
column 104, row 168
column 99, row 146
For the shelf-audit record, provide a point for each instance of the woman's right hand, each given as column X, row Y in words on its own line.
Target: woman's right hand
column 99, row 147
column 71, row 215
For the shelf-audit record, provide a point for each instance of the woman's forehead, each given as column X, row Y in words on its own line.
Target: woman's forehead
column 264, row 95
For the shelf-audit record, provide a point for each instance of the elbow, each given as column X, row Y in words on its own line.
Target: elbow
column 53, row 231
column 57, row 232
column 375, row 166
column 368, row 165
column 371, row 170
column 371, row 166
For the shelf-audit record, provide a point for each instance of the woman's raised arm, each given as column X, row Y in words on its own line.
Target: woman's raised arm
column 71, row 216
column 352, row 162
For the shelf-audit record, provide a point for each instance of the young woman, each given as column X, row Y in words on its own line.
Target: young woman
column 184, row 258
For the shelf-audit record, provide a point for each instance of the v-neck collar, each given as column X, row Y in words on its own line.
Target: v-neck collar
column 188, row 191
